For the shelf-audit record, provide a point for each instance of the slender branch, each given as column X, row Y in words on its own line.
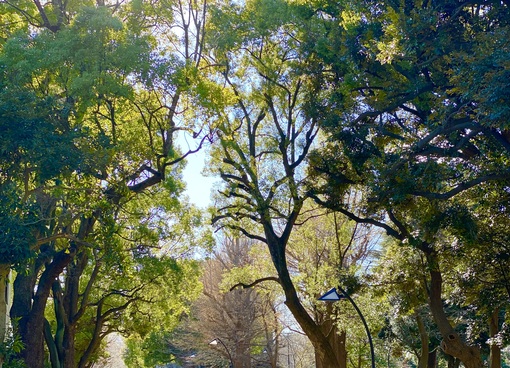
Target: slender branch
column 256, row 282
column 389, row 230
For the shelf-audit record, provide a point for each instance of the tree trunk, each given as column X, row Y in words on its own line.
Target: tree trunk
column 424, row 339
column 21, row 305
column 322, row 346
column 4, row 302
column 432, row 359
column 56, row 343
column 52, row 347
column 452, row 343
column 336, row 338
column 70, row 300
column 453, row 362
column 495, row 353
column 30, row 309
column 241, row 355
column 96, row 337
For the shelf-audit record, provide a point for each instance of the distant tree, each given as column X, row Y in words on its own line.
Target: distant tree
column 246, row 320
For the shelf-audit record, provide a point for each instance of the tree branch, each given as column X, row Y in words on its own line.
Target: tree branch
column 256, row 282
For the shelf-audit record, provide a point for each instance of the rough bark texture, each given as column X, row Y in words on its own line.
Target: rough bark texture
column 337, row 341
column 452, row 343
column 336, row 338
column 495, row 354
column 29, row 307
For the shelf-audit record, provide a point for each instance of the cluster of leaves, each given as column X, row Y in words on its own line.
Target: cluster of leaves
column 10, row 349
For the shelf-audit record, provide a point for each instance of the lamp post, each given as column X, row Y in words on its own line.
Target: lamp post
column 217, row 341
column 333, row 296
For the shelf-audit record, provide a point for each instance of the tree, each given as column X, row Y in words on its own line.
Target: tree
column 401, row 275
column 246, row 321
column 410, row 122
column 112, row 108
column 327, row 251
column 265, row 136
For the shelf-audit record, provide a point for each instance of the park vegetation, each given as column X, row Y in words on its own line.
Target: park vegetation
column 363, row 145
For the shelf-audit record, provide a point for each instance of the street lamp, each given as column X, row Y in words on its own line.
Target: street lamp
column 334, row 296
column 217, row 341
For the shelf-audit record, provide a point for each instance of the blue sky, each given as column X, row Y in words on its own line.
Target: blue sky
column 198, row 187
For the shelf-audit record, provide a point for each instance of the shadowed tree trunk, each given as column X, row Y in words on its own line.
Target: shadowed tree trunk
column 495, row 353
column 452, row 343
column 4, row 321
column 432, row 359
column 29, row 307
column 453, row 362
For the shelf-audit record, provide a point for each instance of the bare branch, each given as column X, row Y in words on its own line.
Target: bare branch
column 256, row 282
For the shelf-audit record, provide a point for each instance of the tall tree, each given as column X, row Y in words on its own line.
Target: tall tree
column 265, row 136
column 410, row 121
column 234, row 316
column 112, row 108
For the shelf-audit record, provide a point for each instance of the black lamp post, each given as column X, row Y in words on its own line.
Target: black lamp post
column 217, row 341
column 333, row 296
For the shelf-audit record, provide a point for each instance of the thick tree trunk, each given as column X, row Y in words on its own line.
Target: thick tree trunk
column 337, row 341
column 21, row 306
column 323, row 348
column 452, row 343
column 30, row 309
column 241, row 355
column 495, row 353
column 336, row 338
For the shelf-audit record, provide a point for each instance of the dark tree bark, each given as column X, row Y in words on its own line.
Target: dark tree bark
column 452, row 343
column 453, row 362
column 495, row 352
column 29, row 307
column 432, row 359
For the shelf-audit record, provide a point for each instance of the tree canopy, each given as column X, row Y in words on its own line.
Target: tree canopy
column 365, row 144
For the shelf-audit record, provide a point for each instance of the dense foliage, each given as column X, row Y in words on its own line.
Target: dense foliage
column 361, row 144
